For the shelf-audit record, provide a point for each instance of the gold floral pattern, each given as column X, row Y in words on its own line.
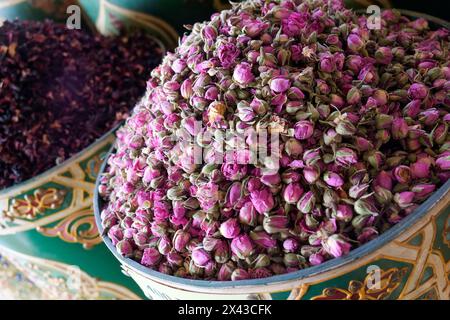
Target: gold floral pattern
column 357, row 290
column 79, row 227
column 37, row 203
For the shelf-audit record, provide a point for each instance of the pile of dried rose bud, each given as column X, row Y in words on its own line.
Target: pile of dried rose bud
column 363, row 118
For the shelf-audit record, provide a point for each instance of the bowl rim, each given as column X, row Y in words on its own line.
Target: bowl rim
column 442, row 194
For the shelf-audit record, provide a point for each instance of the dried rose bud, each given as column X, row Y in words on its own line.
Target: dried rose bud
column 364, row 207
column 230, row 228
column 124, row 248
column 345, row 128
column 242, row 246
column 310, row 157
column 248, row 214
column 346, row 156
column 307, row 202
column 303, row 129
column 384, row 55
column 316, row 259
column 344, row 212
column 383, row 121
column 363, row 144
column 261, row 261
column 279, row 84
column 383, row 196
column 262, row 200
column 384, row 180
column 443, row 162
column 150, row 257
column 225, row 271
column 423, row 190
column 353, row 96
column 420, row 169
column 358, row 190
column 404, row 199
column 412, row 109
column 239, row 274
column 243, row 74
column 311, row 173
column 174, row 259
column 418, row 91
column 333, row 179
column 440, row 133
column 200, row 257
column 375, row 159
column 336, row 246
column 292, row 193
column 115, row 233
column 402, row 174
column 180, row 240
column 263, row 239
column 293, row 147
column 272, row 180
column 399, row 128
column 367, row 234
column 354, row 42
column 275, row 224
column 292, row 260
column 290, row 245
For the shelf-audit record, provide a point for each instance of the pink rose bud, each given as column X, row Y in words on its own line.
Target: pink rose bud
column 115, row 233
column 272, row 180
column 358, row 190
column 222, row 252
column 375, row 159
column 404, row 199
column 420, row 170
column 412, row 109
column 150, row 257
column 316, row 259
column 384, row 180
column 292, row 193
column 399, row 128
column 383, row 121
column 303, row 129
column 337, row 101
column 333, row 179
column 402, row 174
column 174, row 259
column 140, row 238
column 384, row 55
column 423, row 190
column 440, row 133
column 418, row 91
column 310, row 157
column 307, row 202
column 326, row 63
column 336, row 246
column 363, row 144
column 124, row 248
column 353, row 96
column 367, row 234
column 263, row 239
column 275, row 224
column 365, row 207
column 248, row 214
column 383, row 196
column 230, row 228
column 239, row 274
column 443, row 162
column 346, row 157
column 164, row 246
column 243, row 74
column 429, row 117
column 262, row 200
column 242, row 246
column 225, row 272
column 290, row 245
column 180, row 240
column 344, row 212
column 345, row 128
column 279, row 84
column 200, row 257
column 293, row 147
column 311, row 173
column 354, row 42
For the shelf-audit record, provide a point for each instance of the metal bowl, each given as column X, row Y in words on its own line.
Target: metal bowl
column 411, row 260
